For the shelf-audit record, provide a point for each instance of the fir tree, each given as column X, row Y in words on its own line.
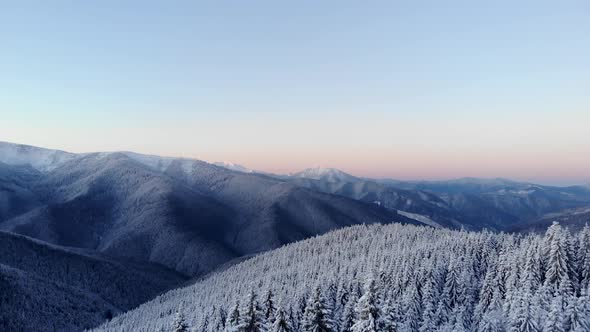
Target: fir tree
column 318, row 316
column 251, row 316
column 524, row 317
column 233, row 318
column 367, row 312
column 179, row 323
column 554, row 321
column 348, row 315
column 281, row 323
column 581, row 320
column 491, row 322
column 557, row 257
column 269, row 306
column 584, row 256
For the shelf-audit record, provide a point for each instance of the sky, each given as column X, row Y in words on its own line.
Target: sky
column 389, row 89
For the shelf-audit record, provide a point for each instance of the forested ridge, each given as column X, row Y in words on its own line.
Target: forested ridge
column 389, row 278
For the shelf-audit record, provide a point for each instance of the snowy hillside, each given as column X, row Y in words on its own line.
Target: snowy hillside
column 39, row 158
column 186, row 214
column 321, row 173
column 48, row 288
column 501, row 202
column 233, row 167
column 470, row 203
column 427, row 205
column 389, row 278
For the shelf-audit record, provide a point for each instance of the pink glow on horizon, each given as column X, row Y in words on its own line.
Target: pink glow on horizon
column 554, row 148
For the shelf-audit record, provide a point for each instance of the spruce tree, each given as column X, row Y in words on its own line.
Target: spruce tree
column 269, row 306
column 281, row 322
column 556, row 256
column 524, row 318
column 233, row 318
column 318, row 316
column 179, row 323
column 581, row 320
column 491, row 322
column 367, row 311
column 554, row 321
column 251, row 316
column 584, row 256
column 348, row 315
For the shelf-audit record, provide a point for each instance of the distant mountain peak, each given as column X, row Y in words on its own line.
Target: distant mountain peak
column 39, row 158
column 233, row 167
column 321, row 173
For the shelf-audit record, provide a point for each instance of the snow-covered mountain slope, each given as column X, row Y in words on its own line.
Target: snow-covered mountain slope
column 16, row 196
column 233, row 167
column 185, row 214
column 334, row 181
column 469, row 202
column 51, row 288
column 389, row 278
column 326, row 174
column 574, row 219
column 502, row 202
column 39, row 158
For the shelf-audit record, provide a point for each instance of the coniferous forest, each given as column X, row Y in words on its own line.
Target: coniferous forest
column 389, row 278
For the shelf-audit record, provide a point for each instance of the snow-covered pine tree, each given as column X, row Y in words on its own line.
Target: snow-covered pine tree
column 523, row 316
column 579, row 317
column 556, row 256
column 251, row 316
column 179, row 324
column 429, row 299
column 281, row 322
column 492, row 321
column 412, row 308
column 233, row 318
column 584, row 256
column 367, row 311
column 269, row 306
column 318, row 316
column 554, row 321
column 348, row 316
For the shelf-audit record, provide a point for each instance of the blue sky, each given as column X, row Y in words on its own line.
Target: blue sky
column 413, row 89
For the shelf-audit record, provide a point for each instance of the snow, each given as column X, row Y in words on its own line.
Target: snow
column 233, row 167
column 155, row 162
column 319, row 173
column 390, row 278
column 44, row 160
column 419, row 217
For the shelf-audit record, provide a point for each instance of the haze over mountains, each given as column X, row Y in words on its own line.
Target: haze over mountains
column 158, row 221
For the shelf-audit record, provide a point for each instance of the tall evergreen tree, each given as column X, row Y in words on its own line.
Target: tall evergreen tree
column 179, row 324
column 269, row 306
column 318, row 316
column 348, row 315
column 491, row 322
column 251, row 316
column 556, row 256
column 523, row 318
column 233, row 318
column 580, row 318
column 367, row 311
column 554, row 321
column 584, row 256
column 281, row 322
column 428, row 323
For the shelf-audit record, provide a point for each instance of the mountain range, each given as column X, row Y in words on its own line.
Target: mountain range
column 162, row 221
